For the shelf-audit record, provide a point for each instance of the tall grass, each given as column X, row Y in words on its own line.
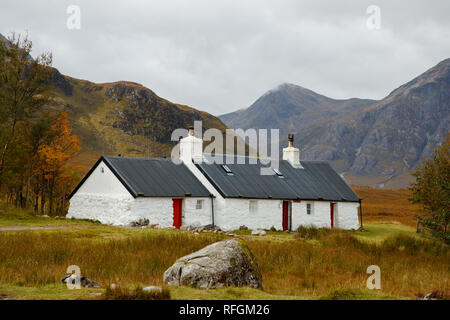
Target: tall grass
column 385, row 205
column 337, row 261
column 30, row 258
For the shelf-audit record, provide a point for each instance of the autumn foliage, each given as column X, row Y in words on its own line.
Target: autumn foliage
column 36, row 144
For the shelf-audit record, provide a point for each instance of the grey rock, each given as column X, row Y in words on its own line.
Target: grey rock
column 221, row 264
column 140, row 223
column 258, row 232
column 84, row 281
column 152, row 289
column 95, row 294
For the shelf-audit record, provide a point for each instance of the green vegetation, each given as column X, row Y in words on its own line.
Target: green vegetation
column 123, row 293
column 312, row 233
column 380, row 231
column 432, row 190
column 17, row 217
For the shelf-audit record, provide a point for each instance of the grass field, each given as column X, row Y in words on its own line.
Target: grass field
column 388, row 205
column 332, row 266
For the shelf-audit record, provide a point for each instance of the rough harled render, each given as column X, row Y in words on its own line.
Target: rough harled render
column 121, row 190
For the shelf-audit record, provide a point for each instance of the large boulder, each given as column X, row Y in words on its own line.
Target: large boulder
column 221, row 264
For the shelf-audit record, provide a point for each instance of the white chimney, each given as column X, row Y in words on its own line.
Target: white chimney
column 191, row 147
column 290, row 153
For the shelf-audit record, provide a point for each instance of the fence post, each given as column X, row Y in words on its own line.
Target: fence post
column 417, row 224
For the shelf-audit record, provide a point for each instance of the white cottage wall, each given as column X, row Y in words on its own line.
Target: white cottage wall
column 108, row 209
column 233, row 213
column 102, row 197
column 230, row 214
column 103, row 181
column 319, row 217
column 160, row 211
column 346, row 216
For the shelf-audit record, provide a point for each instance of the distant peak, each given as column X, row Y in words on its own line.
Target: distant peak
column 287, row 85
column 282, row 87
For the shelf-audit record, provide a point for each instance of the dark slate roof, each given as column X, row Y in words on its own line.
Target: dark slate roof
column 152, row 177
column 315, row 181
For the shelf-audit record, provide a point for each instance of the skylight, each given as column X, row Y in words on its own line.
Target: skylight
column 227, row 169
column 278, row 172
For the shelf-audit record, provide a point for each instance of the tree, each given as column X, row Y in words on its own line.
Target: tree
column 61, row 147
column 24, row 90
column 432, row 190
column 36, row 141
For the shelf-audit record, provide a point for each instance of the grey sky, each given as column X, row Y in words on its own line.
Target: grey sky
column 220, row 56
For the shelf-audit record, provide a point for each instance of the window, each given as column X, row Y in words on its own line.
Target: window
column 199, row 204
column 308, row 208
column 102, row 169
column 253, row 206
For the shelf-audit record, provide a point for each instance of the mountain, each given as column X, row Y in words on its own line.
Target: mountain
column 290, row 107
column 122, row 117
column 374, row 143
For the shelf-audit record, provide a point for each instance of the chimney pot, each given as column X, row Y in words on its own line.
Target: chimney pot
column 291, row 140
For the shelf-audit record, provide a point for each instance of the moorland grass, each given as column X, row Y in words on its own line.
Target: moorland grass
column 137, row 293
column 331, row 266
column 388, row 205
column 26, row 217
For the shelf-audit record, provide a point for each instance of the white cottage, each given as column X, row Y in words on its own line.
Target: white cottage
column 199, row 191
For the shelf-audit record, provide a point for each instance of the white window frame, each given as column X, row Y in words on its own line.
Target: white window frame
column 253, row 206
column 199, row 204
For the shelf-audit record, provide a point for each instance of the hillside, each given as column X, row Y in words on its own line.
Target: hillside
column 122, row 117
column 373, row 143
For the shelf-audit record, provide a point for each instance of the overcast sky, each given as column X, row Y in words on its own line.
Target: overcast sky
column 220, row 56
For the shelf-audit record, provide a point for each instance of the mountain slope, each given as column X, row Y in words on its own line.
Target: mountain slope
column 122, row 117
column 389, row 138
column 373, row 142
column 290, row 107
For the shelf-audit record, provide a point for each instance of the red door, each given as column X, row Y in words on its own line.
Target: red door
column 285, row 215
column 177, row 212
column 332, row 214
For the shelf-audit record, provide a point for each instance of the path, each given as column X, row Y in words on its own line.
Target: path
column 22, row 228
